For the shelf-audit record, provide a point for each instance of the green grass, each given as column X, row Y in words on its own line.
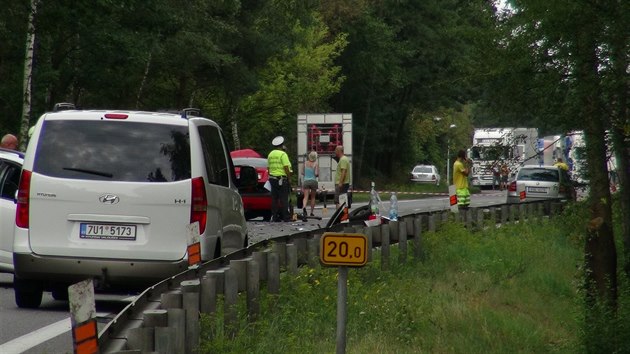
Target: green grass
column 508, row 290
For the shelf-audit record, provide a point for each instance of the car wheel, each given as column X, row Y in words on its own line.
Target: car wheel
column 60, row 293
column 28, row 293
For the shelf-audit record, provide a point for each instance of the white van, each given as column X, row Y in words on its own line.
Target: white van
column 108, row 195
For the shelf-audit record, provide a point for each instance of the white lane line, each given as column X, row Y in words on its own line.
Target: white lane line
column 28, row 341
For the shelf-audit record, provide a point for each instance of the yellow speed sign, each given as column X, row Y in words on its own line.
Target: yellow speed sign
column 340, row 249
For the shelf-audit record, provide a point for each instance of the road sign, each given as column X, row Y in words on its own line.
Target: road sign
column 341, row 249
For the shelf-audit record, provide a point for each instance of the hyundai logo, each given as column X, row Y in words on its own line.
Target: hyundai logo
column 109, row 199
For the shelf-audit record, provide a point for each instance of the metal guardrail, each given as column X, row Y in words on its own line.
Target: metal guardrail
column 146, row 322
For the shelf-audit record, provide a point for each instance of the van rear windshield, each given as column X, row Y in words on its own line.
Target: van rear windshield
column 113, row 151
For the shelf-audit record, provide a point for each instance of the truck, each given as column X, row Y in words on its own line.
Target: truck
column 322, row 133
column 514, row 147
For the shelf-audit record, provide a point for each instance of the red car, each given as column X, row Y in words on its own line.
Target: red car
column 256, row 201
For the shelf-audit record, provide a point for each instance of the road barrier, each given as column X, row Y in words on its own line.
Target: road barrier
column 165, row 317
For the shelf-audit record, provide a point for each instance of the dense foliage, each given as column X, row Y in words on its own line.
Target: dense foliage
column 254, row 65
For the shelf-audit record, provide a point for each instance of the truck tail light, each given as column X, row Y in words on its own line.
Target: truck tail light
column 512, row 187
column 23, row 197
column 199, row 203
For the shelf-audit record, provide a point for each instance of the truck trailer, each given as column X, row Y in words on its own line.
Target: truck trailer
column 514, row 147
column 322, row 133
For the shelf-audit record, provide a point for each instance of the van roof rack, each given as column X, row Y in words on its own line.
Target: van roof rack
column 63, row 106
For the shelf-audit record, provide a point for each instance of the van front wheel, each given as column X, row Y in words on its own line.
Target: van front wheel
column 28, row 293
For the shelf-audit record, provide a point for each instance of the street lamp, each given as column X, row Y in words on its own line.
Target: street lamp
column 448, row 154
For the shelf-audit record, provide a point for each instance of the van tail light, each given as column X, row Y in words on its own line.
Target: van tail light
column 512, row 187
column 199, row 204
column 116, row 116
column 433, row 177
column 23, row 199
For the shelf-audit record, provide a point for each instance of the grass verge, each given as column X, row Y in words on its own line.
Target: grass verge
column 509, row 290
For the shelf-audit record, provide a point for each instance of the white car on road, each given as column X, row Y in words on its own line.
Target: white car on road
column 10, row 167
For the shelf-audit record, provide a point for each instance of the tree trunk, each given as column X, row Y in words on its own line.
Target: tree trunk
column 600, row 251
column 28, row 76
column 621, row 119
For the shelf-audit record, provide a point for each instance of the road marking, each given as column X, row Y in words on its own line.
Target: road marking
column 28, row 341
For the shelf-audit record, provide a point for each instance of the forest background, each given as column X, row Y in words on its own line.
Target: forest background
column 396, row 65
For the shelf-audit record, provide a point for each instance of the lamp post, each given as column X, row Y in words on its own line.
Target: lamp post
column 448, row 154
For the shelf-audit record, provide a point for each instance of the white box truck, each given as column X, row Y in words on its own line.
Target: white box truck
column 513, row 146
column 322, row 133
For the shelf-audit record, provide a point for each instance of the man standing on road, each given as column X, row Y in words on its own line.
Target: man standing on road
column 9, row 141
column 342, row 174
column 460, row 180
column 279, row 168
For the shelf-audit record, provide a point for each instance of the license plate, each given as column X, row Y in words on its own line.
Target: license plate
column 108, row 231
column 537, row 189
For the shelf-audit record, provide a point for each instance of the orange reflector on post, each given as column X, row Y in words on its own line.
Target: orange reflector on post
column 453, row 199
column 85, row 337
column 522, row 195
column 194, row 253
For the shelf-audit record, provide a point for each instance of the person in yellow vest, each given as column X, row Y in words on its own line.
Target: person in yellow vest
column 279, row 168
column 560, row 164
column 460, row 180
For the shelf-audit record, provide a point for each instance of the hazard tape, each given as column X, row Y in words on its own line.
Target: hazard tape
column 400, row 193
column 384, row 192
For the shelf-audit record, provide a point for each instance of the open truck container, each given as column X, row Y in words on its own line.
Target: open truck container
column 322, row 133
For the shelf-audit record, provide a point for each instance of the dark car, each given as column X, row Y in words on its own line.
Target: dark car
column 256, row 200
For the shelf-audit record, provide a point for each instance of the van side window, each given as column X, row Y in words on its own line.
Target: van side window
column 214, row 155
column 9, row 179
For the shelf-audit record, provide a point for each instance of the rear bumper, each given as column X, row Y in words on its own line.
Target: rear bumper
column 108, row 273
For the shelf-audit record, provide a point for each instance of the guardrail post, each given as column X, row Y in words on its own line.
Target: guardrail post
column 280, row 248
column 409, row 223
column 240, row 267
column 432, row 223
column 253, row 290
column 141, row 339
column 376, row 235
column 480, row 219
column 190, row 301
column 418, row 250
column 468, row 215
column 165, row 337
column 493, row 217
column 208, row 298
column 513, row 209
column 273, row 273
column 313, row 252
column 402, row 241
column 172, row 303
column 370, row 242
column 385, row 246
column 393, row 231
column 521, row 212
column 505, row 210
column 292, row 259
column 230, row 319
column 302, row 253
column 220, row 275
column 261, row 259
column 540, row 213
column 445, row 215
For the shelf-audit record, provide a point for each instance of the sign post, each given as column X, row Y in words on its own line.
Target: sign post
column 452, row 198
column 343, row 250
column 194, row 245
